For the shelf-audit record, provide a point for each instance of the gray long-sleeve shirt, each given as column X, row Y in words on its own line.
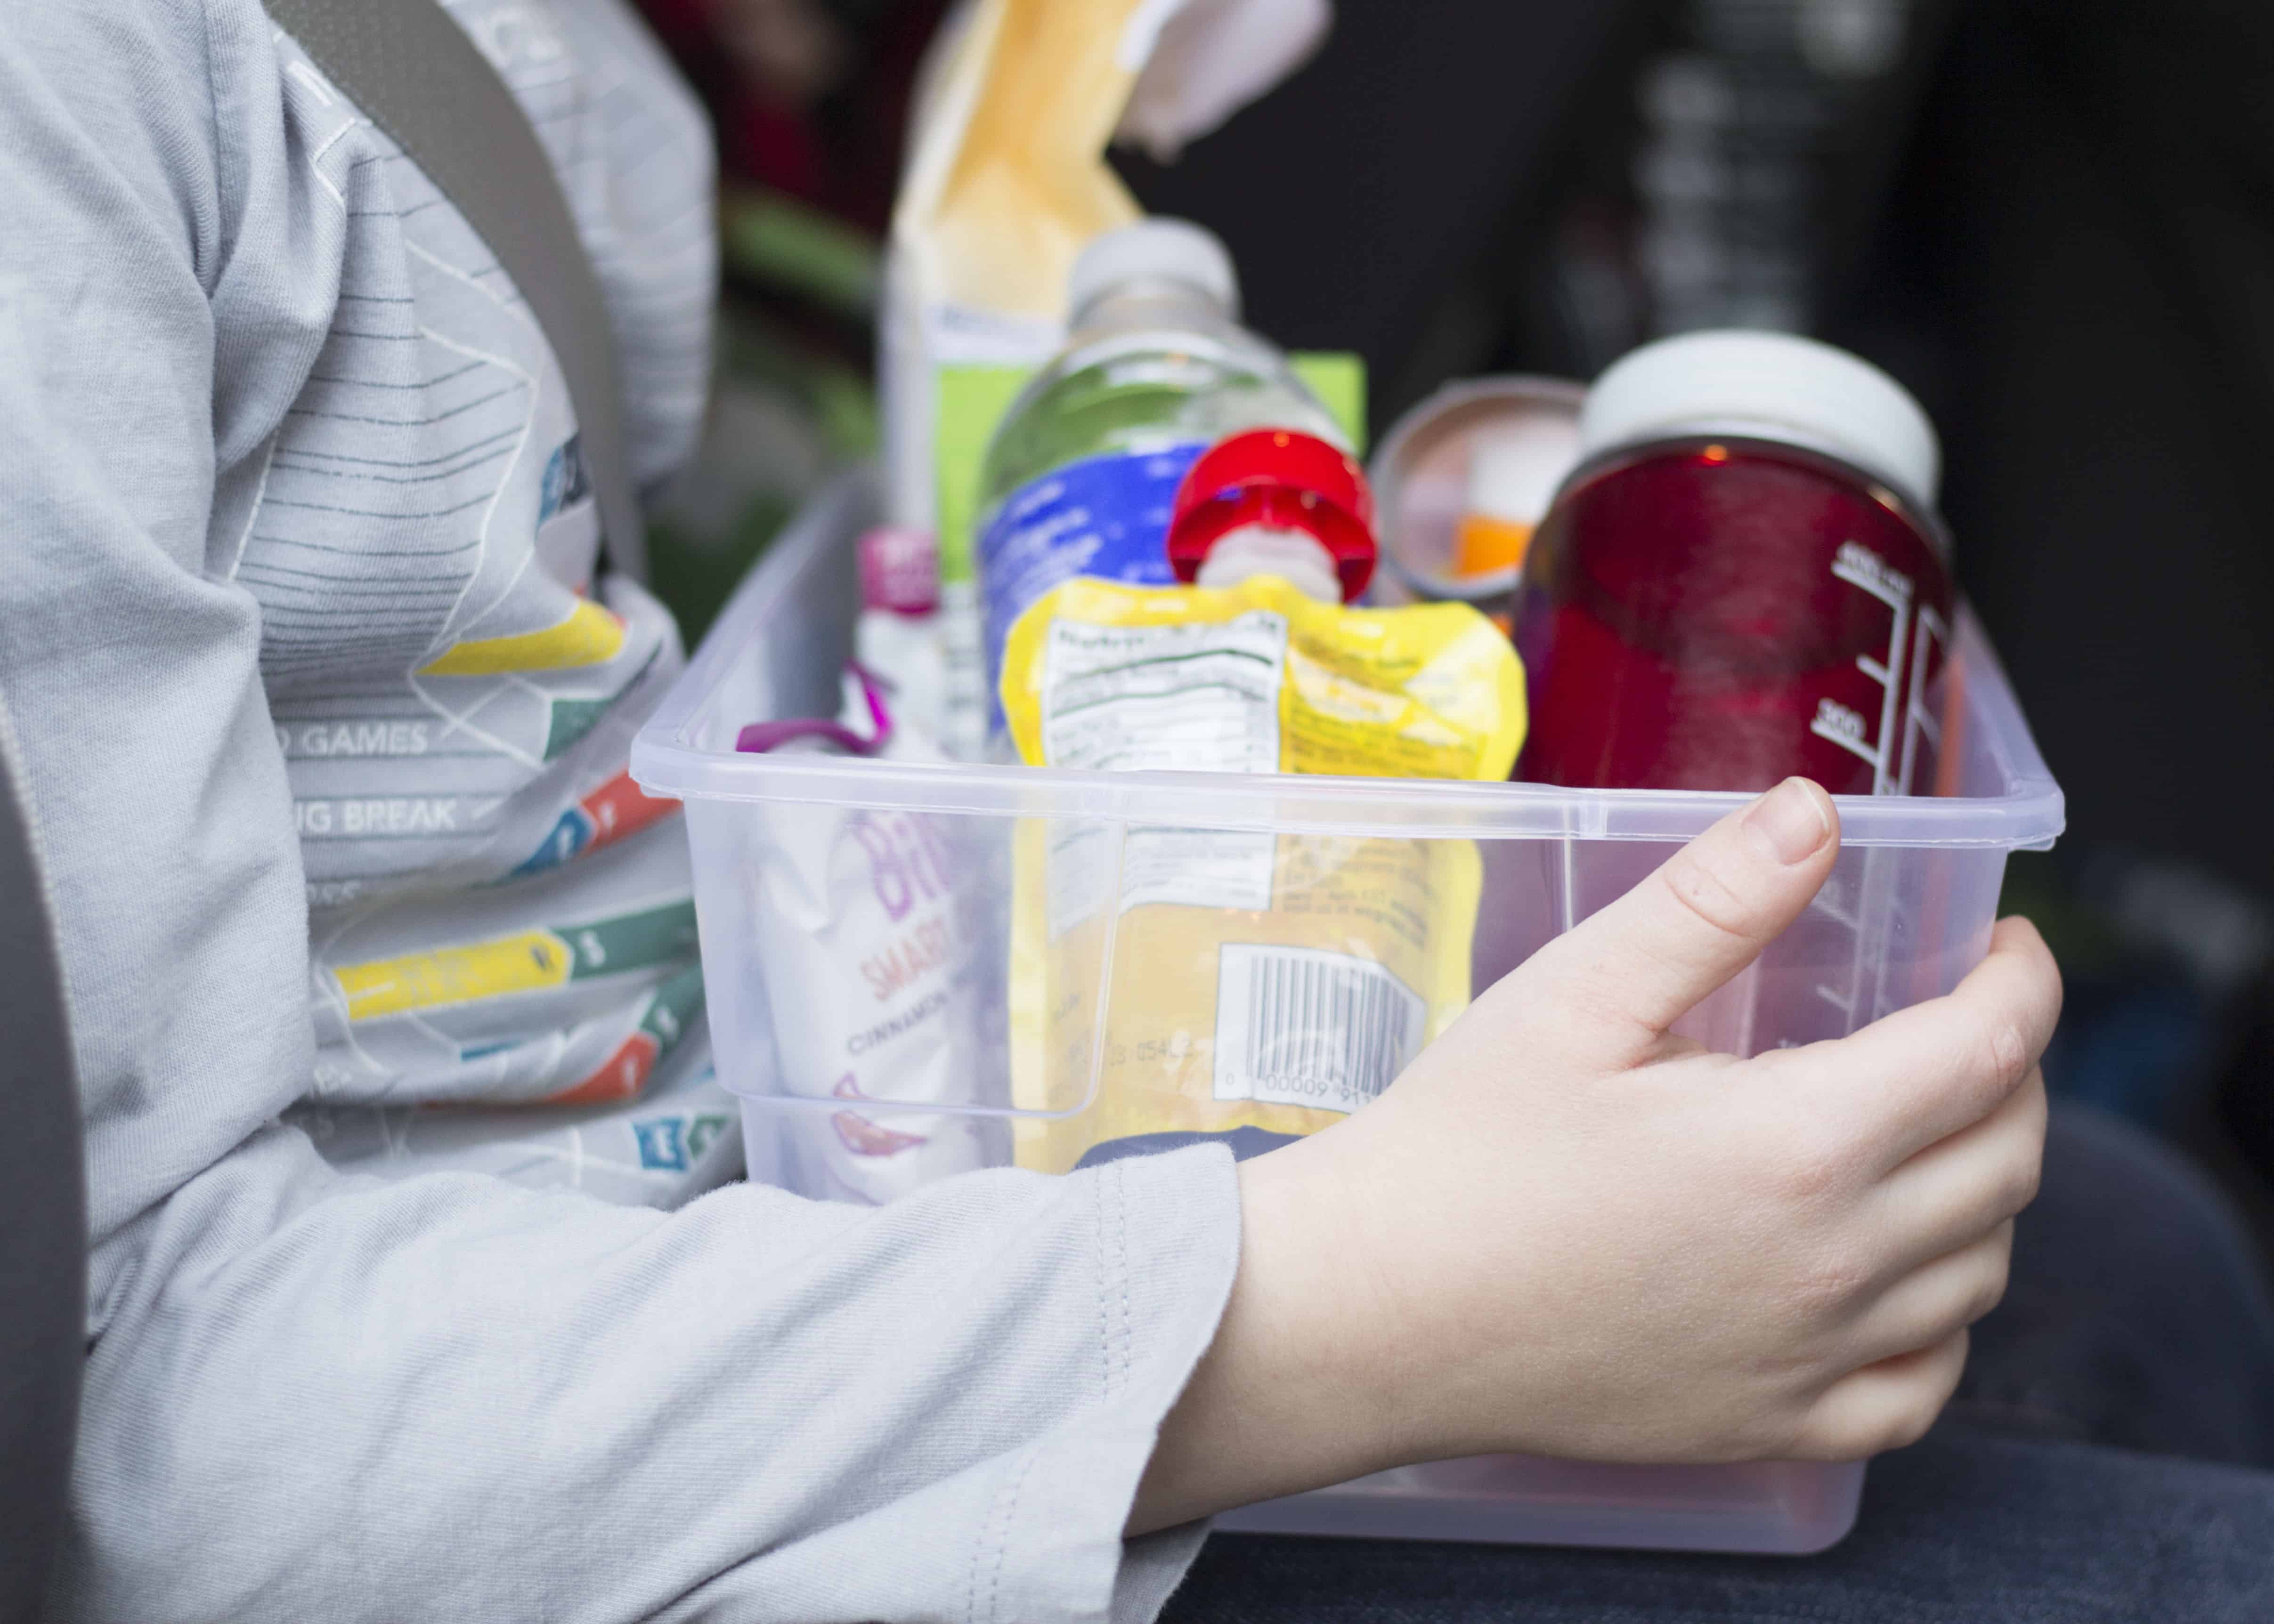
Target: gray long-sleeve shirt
column 250, row 566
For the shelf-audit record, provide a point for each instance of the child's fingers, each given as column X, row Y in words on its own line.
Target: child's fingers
column 1967, row 1183
column 1882, row 1406
column 1934, row 1302
column 1923, row 1073
column 1625, row 975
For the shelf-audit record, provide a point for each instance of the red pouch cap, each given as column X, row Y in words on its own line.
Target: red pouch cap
column 1282, row 480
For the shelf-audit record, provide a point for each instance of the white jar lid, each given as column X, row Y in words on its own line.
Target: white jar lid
column 1770, row 385
column 1155, row 249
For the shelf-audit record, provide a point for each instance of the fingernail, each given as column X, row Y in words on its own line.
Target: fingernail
column 1790, row 821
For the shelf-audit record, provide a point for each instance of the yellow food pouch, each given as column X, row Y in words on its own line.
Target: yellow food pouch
column 1169, row 983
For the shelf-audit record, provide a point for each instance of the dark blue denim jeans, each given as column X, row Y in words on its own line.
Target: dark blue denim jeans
column 2106, row 1459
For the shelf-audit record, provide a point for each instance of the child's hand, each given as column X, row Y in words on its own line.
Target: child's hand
column 1564, row 1232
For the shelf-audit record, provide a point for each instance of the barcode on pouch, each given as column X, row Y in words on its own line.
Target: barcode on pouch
column 1298, row 1026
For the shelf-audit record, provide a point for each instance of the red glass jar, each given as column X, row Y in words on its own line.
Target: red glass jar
column 1721, row 607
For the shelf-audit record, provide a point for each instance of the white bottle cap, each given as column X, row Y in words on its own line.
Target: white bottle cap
column 1155, row 249
column 1771, row 385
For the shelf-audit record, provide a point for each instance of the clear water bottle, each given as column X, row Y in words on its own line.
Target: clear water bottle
column 1083, row 471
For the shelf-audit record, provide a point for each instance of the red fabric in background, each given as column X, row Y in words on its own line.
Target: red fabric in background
column 841, row 151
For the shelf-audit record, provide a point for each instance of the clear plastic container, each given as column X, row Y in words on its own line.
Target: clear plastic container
column 1907, row 912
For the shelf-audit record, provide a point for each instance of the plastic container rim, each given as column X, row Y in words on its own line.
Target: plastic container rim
column 665, row 762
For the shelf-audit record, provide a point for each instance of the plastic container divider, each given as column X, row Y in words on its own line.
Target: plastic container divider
column 1906, row 914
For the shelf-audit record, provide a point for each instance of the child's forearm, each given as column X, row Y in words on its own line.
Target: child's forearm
column 1297, row 1390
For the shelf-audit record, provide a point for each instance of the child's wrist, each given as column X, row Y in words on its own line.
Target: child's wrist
column 1295, row 1392
column 1319, row 1292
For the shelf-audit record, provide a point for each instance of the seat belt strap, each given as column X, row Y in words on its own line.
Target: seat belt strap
column 418, row 75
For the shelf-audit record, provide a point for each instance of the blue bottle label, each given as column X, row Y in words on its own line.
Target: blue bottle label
column 1104, row 515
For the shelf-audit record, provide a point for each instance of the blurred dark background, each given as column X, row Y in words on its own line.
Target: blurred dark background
column 2052, row 219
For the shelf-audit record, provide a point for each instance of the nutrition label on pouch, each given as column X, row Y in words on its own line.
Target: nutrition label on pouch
column 1198, row 867
column 1192, row 698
